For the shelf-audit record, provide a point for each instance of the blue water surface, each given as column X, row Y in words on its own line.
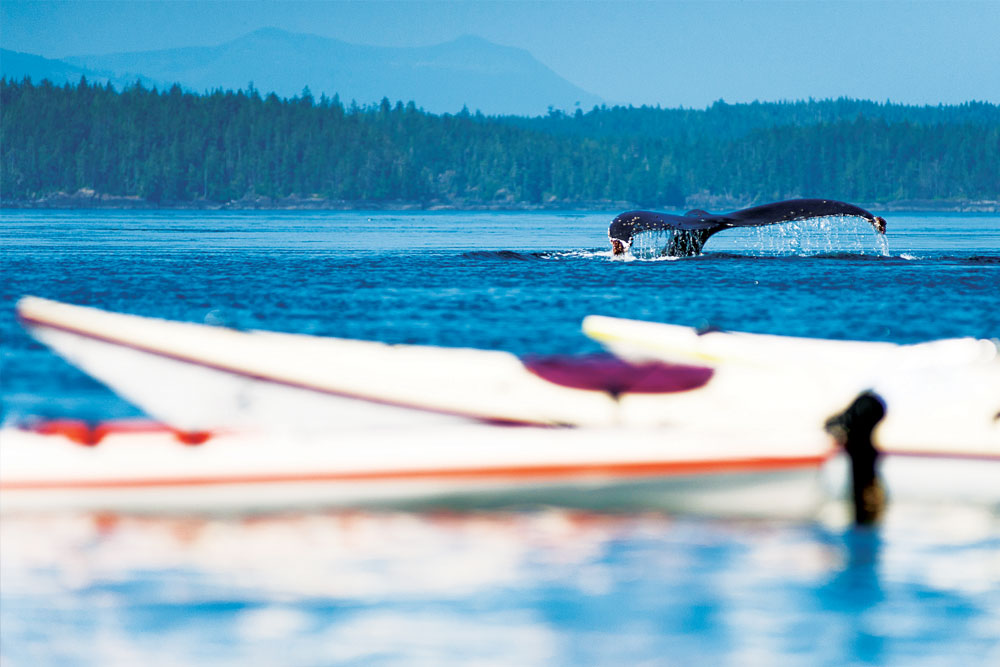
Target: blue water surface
column 532, row 588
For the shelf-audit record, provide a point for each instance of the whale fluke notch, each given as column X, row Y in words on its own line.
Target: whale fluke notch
column 692, row 229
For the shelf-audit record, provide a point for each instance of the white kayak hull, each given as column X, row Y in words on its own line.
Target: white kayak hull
column 197, row 377
column 942, row 397
column 467, row 467
column 461, row 467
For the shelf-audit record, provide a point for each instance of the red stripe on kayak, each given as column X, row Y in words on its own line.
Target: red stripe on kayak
column 581, row 470
column 499, row 421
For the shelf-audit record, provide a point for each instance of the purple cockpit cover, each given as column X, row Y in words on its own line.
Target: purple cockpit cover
column 615, row 376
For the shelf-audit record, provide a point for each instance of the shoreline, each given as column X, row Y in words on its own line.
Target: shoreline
column 87, row 199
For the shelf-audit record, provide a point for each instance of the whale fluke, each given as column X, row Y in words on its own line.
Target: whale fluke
column 692, row 229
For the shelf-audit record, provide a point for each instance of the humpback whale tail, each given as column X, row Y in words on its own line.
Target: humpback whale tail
column 692, row 229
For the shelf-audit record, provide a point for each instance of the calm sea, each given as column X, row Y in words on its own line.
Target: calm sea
column 531, row 588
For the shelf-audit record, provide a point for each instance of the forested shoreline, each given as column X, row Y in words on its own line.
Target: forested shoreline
column 86, row 145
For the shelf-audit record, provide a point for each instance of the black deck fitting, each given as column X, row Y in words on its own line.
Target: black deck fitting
column 853, row 428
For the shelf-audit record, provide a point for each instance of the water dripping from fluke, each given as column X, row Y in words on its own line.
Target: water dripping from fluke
column 828, row 236
column 832, row 236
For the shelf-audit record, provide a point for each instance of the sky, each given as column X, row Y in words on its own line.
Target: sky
column 659, row 53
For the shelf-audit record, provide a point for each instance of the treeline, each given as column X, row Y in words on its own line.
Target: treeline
column 732, row 121
column 174, row 147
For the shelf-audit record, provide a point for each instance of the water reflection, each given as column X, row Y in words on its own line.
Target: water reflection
column 544, row 587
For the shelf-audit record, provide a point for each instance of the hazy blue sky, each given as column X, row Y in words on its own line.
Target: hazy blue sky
column 668, row 53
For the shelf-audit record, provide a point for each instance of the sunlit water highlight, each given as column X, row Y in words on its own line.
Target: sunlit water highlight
column 532, row 588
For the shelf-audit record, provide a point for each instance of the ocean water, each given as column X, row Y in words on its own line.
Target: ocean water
column 547, row 587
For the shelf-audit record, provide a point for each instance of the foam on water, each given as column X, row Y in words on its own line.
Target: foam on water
column 579, row 254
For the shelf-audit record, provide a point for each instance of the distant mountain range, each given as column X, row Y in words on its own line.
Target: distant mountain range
column 469, row 71
column 16, row 66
